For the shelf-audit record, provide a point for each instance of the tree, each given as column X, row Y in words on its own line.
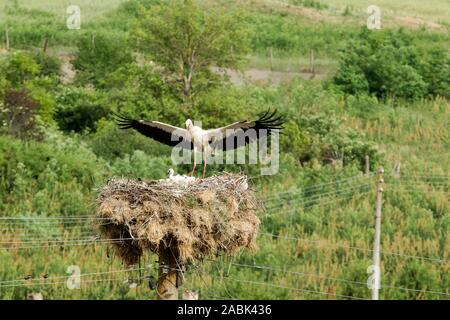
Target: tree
column 186, row 40
column 99, row 55
column 19, row 68
column 17, row 112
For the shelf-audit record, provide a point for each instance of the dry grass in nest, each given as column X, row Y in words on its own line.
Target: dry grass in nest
column 211, row 215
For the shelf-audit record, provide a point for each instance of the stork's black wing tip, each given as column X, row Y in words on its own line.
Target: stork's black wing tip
column 122, row 120
column 271, row 120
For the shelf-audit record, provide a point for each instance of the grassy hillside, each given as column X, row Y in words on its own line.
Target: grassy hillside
column 90, row 9
column 436, row 11
column 316, row 233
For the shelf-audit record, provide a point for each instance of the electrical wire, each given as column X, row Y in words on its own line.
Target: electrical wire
column 355, row 248
column 333, row 278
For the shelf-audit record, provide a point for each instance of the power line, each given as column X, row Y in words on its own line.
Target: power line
column 309, row 188
column 75, row 239
column 413, row 189
column 426, row 182
column 310, row 204
column 43, row 223
column 78, row 243
column 281, row 287
column 315, row 197
column 65, row 282
column 346, row 188
column 355, row 248
column 440, row 176
column 39, row 234
column 307, row 205
column 8, row 282
column 86, row 217
column 292, row 272
column 11, row 238
column 332, row 278
column 294, row 289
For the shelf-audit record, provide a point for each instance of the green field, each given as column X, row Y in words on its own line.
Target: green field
column 90, row 9
column 316, row 232
column 437, row 11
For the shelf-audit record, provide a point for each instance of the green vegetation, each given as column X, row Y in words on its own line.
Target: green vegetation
column 386, row 97
column 388, row 64
column 187, row 41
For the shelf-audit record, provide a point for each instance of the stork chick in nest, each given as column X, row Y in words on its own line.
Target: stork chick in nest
column 178, row 179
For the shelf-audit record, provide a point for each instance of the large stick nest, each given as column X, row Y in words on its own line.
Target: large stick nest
column 211, row 215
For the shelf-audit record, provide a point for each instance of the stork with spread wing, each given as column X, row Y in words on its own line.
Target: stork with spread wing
column 226, row 138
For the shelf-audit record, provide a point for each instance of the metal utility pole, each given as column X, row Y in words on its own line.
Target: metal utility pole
column 377, row 237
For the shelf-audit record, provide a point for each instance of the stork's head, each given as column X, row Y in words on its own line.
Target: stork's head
column 189, row 124
column 170, row 172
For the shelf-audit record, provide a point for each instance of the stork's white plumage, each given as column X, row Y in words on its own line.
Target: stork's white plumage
column 179, row 179
column 195, row 138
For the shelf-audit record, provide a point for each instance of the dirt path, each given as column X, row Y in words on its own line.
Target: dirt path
column 252, row 75
column 265, row 76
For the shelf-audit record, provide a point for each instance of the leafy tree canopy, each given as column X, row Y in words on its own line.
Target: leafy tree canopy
column 187, row 39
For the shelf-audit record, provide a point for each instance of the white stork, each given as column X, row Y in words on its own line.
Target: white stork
column 205, row 141
column 181, row 180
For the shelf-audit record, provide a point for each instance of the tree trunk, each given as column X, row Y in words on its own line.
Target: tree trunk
column 187, row 89
column 187, row 80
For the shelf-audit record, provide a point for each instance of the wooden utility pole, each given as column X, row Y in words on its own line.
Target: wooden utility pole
column 166, row 288
column 271, row 58
column 397, row 169
column 367, row 164
column 45, row 45
column 377, row 237
column 311, row 62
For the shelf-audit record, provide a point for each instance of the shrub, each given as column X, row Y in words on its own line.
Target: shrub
column 18, row 113
column 40, row 89
column 53, row 176
column 49, row 65
column 415, row 275
column 20, row 67
column 99, row 55
column 435, row 70
column 388, row 64
column 295, row 141
column 79, row 109
column 109, row 142
column 138, row 91
column 80, row 117
column 4, row 84
column 310, row 4
column 328, row 143
column 141, row 165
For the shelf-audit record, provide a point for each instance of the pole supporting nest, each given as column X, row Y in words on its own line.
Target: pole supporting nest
column 181, row 224
column 167, row 286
